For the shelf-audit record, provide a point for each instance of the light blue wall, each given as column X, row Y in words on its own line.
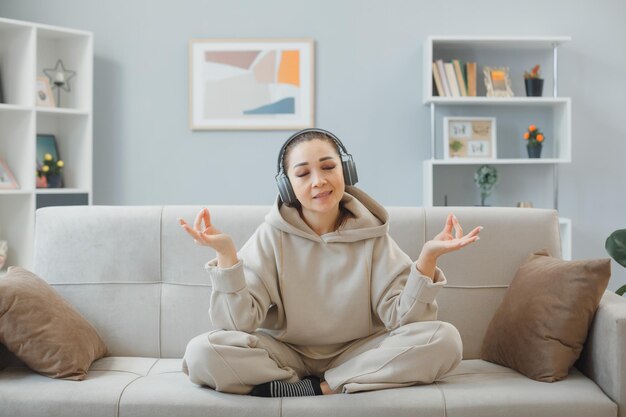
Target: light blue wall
column 368, row 91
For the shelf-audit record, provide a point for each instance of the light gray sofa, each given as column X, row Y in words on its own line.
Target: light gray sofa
column 140, row 281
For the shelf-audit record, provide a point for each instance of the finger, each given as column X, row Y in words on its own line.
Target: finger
column 207, row 217
column 468, row 241
column 457, row 227
column 474, row 232
column 191, row 232
column 448, row 227
column 197, row 224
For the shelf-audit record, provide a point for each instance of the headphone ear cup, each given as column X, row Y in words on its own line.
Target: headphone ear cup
column 285, row 189
column 350, row 177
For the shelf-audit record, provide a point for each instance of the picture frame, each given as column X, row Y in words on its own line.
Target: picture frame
column 7, row 179
column 251, row 84
column 467, row 138
column 47, row 143
column 497, row 81
column 44, row 97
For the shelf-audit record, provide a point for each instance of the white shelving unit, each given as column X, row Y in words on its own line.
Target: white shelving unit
column 25, row 50
column 451, row 181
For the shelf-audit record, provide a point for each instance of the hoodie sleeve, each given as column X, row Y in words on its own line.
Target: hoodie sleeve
column 241, row 295
column 400, row 293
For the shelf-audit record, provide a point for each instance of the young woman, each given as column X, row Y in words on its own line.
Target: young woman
column 321, row 300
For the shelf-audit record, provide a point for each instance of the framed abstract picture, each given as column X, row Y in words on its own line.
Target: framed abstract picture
column 251, row 84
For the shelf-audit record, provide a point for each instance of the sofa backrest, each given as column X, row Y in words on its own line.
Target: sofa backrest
column 139, row 279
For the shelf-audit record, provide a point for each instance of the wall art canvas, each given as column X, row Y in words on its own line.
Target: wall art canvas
column 238, row 84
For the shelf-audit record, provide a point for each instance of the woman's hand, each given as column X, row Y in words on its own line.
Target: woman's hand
column 443, row 243
column 205, row 234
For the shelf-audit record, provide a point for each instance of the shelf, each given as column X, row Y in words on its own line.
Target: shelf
column 500, row 42
column 18, row 191
column 61, row 110
column 26, row 49
column 62, row 191
column 499, row 101
column 511, row 161
column 14, row 107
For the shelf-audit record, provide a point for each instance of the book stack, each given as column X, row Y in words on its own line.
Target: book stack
column 454, row 79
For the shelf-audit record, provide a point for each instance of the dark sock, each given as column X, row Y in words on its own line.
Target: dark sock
column 308, row 386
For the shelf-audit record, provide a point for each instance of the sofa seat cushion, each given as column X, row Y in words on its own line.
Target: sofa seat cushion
column 166, row 391
column 477, row 388
column 135, row 387
column 24, row 393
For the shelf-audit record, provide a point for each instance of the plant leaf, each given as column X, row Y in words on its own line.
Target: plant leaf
column 621, row 290
column 615, row 246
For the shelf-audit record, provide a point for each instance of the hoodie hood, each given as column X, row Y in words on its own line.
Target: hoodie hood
column 370, row 219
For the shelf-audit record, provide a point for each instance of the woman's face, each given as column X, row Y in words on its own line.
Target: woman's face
column 316, row 175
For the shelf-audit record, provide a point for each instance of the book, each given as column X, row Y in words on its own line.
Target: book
column 444, row 79
column 450, row 74
column 440, row 91
column 459, row 77
column 471, row 79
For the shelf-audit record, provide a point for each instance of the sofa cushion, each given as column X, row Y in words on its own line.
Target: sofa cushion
column 96, row 396
column 43, row 329
column 542, row 323
column 482, row 389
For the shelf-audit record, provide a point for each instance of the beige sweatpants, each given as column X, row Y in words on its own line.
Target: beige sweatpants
column 234, row 361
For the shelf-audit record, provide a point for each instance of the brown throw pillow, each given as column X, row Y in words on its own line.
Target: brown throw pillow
column 541, row 326
column 43, row 329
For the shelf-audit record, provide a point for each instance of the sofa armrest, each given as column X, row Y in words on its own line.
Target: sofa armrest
column 604, row 356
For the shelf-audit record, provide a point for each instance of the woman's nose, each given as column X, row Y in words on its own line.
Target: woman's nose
column 318, row 178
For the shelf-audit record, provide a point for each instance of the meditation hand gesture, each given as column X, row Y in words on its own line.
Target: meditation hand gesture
column 443, row 243
column 205, row 234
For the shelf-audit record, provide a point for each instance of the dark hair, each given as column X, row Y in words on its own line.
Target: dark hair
column 344, row 214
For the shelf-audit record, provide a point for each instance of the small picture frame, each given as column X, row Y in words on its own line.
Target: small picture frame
column 7, row 180
column 44, row 97
column 498, row 82
column 469, row 138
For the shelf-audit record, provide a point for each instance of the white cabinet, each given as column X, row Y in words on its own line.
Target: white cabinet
column 25, row 50
column 450, row 181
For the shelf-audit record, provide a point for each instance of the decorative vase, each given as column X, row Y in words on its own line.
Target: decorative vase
column 42, row 182
column 55, row 181
column 534, row 151
column 534, row 87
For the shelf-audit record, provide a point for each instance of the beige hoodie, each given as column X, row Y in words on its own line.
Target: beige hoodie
column 319, row 293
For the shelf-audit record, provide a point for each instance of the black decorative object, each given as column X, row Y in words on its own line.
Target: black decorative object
column 534, row 151
column 534, row 87
column 59, row 79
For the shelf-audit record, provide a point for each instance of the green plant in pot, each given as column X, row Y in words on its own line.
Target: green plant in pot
column 455, row 147
column 485, row 178
column 533, row 82
column 615, row 246
column 534, row 141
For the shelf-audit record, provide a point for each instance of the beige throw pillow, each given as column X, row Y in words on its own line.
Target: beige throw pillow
column 541, row 326
column 43, row 329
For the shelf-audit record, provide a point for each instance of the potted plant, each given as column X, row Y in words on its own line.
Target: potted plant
column 455, row 147
column 485, row 178
column 615, row 246
column 534, row 82
column 534, row 141
column 51, row 171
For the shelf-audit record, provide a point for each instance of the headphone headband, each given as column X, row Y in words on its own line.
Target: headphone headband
column 342, row 149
